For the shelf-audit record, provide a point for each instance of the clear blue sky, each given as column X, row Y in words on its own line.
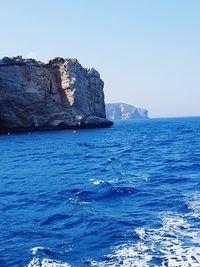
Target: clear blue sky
column 147, row 51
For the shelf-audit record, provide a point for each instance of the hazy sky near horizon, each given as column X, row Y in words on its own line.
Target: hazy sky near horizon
column 147, row 51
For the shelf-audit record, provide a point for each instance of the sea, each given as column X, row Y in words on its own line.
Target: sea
column 128, row 195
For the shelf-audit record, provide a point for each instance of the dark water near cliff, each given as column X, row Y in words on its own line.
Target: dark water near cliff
column 124, row 196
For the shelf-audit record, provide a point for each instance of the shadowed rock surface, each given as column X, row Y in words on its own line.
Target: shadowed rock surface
column 121, row 111
column 60, row 94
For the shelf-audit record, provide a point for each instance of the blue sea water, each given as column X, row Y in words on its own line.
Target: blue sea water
column 123, row 196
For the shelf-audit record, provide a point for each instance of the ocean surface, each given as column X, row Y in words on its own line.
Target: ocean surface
column 123, row 196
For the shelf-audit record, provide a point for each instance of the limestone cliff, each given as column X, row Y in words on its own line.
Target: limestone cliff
column 54, row 95
column 121, row 111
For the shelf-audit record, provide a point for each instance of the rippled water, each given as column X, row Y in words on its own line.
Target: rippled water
column 124, row 196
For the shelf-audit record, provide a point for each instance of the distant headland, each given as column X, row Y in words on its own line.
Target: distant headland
column 122, row 111
column 59, row 94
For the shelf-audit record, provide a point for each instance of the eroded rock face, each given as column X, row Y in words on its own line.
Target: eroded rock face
column 121, row 111
column 55, row 95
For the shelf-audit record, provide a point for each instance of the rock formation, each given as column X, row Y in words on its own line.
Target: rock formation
column 121, row 111
column 60, row 94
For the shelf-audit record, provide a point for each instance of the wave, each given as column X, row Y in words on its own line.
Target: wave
column 106, row 190
column 54, row 219
column 39, row 259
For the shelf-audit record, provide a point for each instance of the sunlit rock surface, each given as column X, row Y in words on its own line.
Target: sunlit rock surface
column 60, row 94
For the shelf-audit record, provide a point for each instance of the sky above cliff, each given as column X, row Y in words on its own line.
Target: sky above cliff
column 147, row 51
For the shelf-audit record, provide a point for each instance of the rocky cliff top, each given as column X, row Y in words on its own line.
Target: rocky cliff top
column 20, row 61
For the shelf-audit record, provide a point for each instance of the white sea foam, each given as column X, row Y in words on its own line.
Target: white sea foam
column 44, row 262
column 127, row 255
column 36, row 262
column 140, row 232
column 98, row 181
column 36, row 249
column 193, row 203
column 145, row 177
column 174, row 244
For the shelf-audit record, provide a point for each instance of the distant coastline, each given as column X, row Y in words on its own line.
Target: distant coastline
column 123, row 111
